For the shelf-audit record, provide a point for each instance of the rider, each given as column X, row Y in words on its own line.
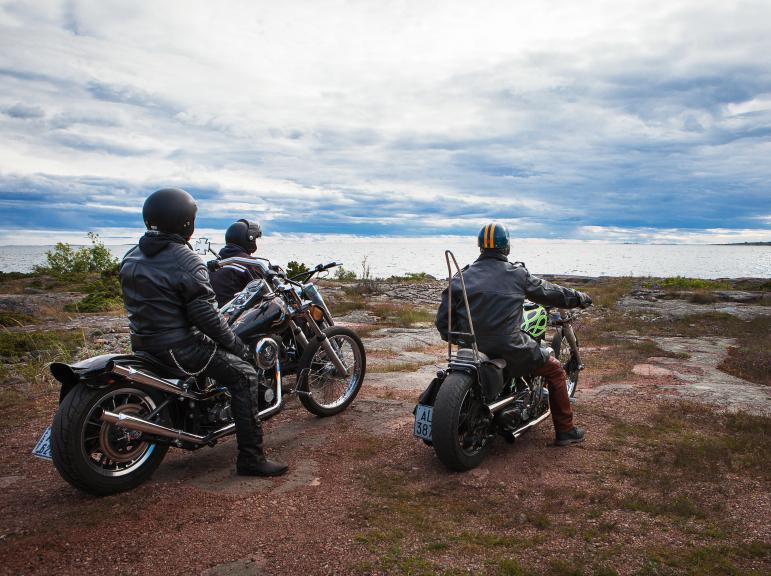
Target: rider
column 173, row 316
column 496, row 290
column 240, row 241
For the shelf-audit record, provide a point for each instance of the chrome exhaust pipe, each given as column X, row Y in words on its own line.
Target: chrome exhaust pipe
column 130, row 422
column 519, row 431
column 497, row 406
column 144, row 378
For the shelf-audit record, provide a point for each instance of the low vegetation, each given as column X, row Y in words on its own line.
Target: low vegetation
column 656, row 500
column 64, row 261
column 25, row 357
column 682, row 283
column 10, row 318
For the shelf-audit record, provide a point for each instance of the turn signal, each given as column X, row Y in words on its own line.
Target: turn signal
column 317, row 313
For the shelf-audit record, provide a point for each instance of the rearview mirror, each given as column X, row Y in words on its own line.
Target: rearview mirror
column 202, row 246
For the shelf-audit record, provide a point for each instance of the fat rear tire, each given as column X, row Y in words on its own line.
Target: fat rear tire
column 446, row 423
column 68, row 454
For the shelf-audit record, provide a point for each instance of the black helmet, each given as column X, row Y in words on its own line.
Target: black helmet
column 244, row 233
column 170, row 210
column 494, row 237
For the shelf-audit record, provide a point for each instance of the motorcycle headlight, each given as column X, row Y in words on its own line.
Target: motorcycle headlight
column 317, row 313
column 266, row 353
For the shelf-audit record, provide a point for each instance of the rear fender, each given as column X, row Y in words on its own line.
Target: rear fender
column 94, row 372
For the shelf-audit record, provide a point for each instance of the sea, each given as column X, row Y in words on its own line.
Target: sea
column 394, row 256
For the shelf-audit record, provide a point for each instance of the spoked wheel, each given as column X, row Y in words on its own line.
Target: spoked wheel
column 460, row 424
column 331, row 391
column 97, row 457
column 568, row 359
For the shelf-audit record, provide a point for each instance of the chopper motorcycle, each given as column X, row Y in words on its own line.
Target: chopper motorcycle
column 468, row 404
column 120, row 413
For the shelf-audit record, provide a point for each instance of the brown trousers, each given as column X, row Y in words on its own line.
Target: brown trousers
column 559, row 402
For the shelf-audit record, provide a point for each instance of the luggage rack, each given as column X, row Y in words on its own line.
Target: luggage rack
column 470, row 336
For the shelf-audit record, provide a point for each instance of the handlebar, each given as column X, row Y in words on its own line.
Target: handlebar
column 303, row 276
column 267, row 270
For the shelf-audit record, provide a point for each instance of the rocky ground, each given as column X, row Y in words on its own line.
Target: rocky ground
column 673, row 477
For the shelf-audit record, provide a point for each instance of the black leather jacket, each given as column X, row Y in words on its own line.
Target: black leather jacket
column 496, row 291
column 231, row 278
column 168, row 297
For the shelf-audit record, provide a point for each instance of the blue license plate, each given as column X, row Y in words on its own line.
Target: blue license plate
column 423, row 415
column 43, row 447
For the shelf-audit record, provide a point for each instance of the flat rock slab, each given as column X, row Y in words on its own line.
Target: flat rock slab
column 403, row 339
column 652, row 370
column 683, row 308
column 698, row 377
column 416, row 380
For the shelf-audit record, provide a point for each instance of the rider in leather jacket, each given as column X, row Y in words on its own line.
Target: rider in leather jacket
column 173, row 315
column 496, row 290
column 240, row 241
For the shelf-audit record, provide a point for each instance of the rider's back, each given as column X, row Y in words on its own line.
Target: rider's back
column 158, row 281
column 496, row 291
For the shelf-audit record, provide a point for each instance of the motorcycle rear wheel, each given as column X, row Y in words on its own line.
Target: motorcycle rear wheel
column 100, row 458
column 460, row 427
column 329, row 393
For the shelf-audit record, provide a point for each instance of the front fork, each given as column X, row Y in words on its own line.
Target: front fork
column 570, row 336
column 332, row 354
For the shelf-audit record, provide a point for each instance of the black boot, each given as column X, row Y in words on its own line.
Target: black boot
column 251, row 458
column 573, row 436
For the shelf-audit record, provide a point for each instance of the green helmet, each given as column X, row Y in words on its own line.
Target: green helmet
column 495, row 237
column 534, row 320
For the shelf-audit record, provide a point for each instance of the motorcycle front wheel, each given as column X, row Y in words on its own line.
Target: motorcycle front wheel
column 460, row 424
column 323, row 390
column 97, row 457
column 568, row 359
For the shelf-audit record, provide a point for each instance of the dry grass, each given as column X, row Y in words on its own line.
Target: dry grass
column 26, row 375
column 394, row 366
column 660, row 478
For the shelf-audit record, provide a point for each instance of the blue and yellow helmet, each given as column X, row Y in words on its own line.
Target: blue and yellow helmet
column 494, row 236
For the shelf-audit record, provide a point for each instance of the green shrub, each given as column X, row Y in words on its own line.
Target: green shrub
column 102, row 295
column 63, row 260
column 682, row 283
column 345, row 275
column 294, row 268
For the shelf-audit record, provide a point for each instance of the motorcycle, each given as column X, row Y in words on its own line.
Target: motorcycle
column 120, row 413
column 468, row 404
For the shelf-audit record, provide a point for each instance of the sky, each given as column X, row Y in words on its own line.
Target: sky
column 621, row 121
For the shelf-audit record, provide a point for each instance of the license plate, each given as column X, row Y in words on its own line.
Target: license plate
column 423, row 416
column 43, row 447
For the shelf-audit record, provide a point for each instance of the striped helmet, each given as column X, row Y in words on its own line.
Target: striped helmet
column 494, row 236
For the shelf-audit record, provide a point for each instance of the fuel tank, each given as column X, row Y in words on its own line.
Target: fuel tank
column 271, row 316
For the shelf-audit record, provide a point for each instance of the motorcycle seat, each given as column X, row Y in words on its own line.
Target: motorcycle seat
column 158, row 366
column 468, row 354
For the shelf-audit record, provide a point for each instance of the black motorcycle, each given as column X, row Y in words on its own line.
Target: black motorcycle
column 468, row 404
column 119, row 414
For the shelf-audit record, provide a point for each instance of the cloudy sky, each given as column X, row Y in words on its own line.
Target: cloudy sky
column 647, row 121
